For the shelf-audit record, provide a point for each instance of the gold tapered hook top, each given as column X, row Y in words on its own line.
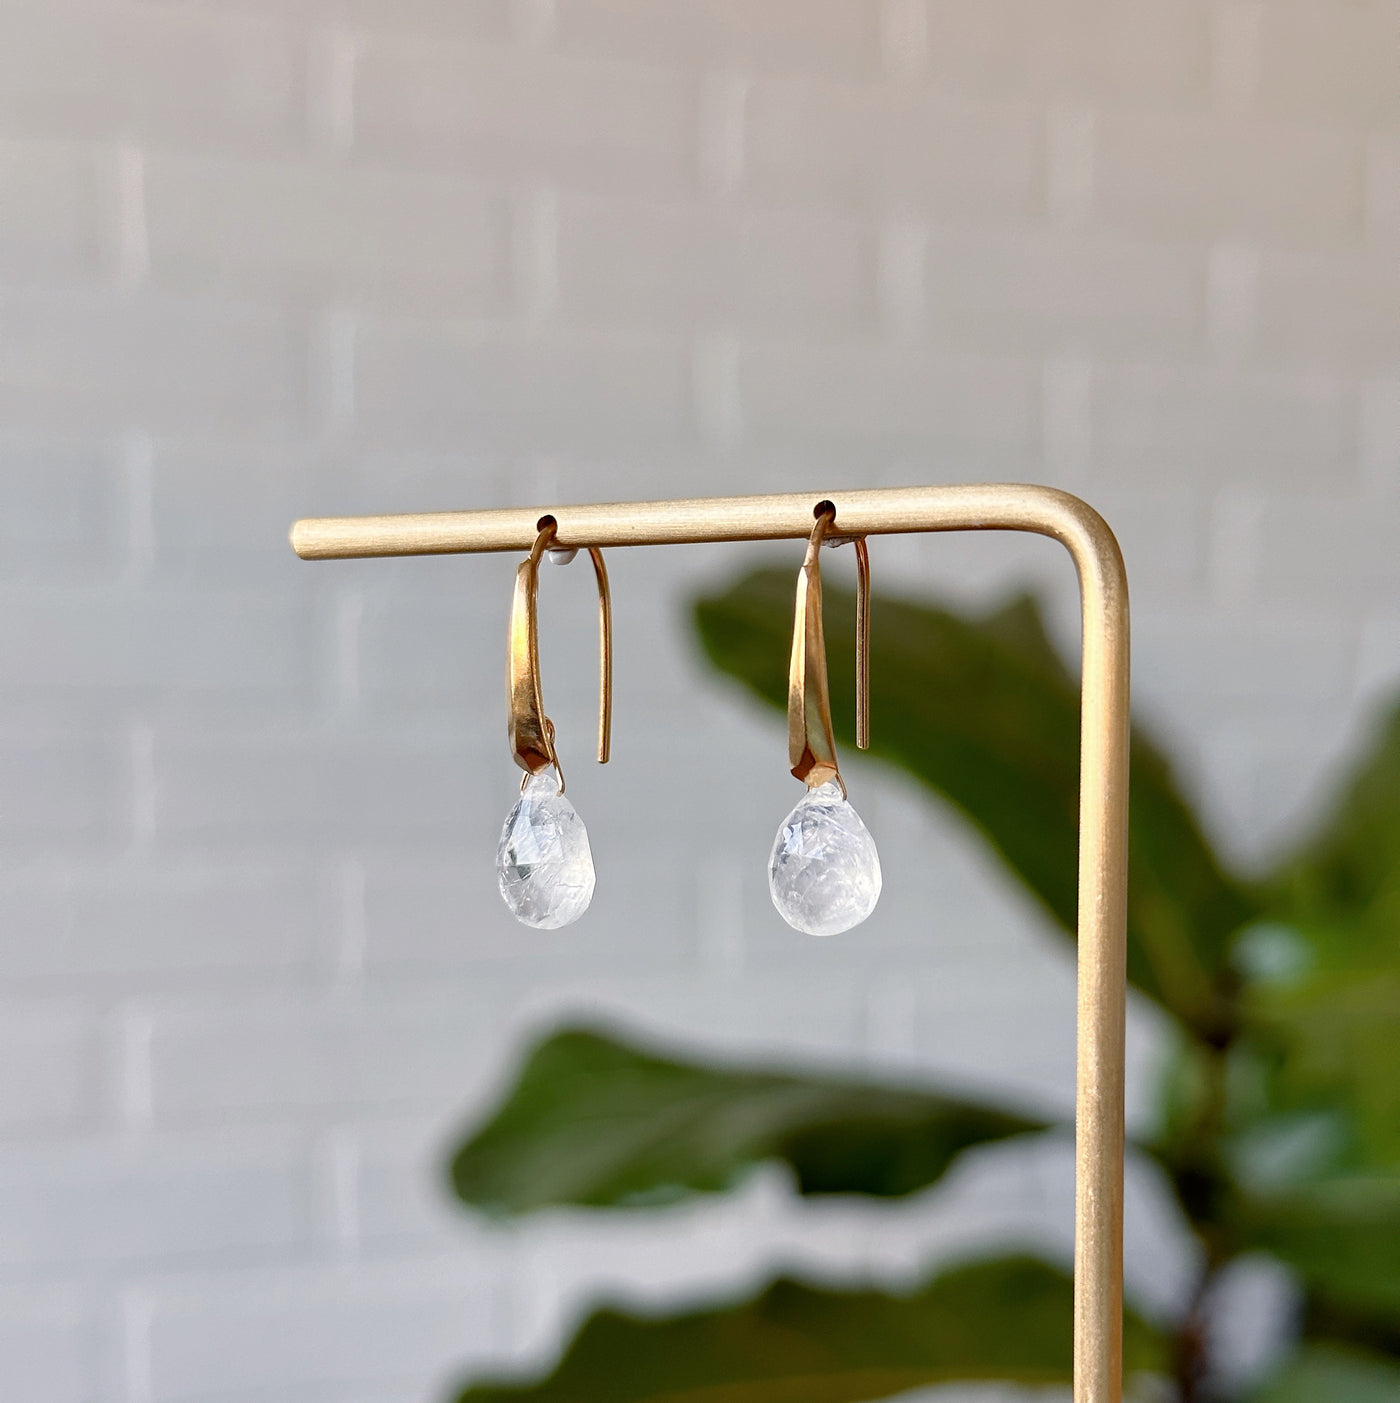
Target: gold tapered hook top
column 531, row 731
column 811, row 744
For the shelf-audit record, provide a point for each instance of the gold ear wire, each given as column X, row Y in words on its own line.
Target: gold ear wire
column 531, row 731
column 862, row 644
column 811, row 745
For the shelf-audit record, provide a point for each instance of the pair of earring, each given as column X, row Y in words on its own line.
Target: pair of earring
column 823, row 871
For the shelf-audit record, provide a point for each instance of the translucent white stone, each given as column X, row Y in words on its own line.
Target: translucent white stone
column 824, row 872
column 544, row 866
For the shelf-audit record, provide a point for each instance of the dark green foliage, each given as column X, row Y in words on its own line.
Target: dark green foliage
column 796, row 1344
column 596, row 1123
column 1325, row 1009
column 1347, row 878
column 1279, row 1120
column 1328, row 1374
column 1342, row 1236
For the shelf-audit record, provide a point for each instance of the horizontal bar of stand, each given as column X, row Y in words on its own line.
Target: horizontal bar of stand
column 865, row 512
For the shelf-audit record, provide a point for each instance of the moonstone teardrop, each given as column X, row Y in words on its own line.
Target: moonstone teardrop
column 824, row 872
column 544, row 866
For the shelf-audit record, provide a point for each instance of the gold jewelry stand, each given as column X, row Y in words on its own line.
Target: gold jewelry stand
column 1103, row 776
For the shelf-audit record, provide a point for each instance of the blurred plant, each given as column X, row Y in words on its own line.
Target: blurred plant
column 1279, row 1117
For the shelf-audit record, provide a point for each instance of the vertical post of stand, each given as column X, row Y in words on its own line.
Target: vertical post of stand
column 1102, row 972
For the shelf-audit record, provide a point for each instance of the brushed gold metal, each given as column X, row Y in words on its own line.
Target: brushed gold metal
column 531, row 732
column 862, row 644
column 1103, row 773
column 811, row 745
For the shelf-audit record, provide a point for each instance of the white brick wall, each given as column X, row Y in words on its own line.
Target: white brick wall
column 263, row 260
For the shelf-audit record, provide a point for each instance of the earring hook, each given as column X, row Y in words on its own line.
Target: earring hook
column 811, row 744
column 531, row 731
column 862, row 644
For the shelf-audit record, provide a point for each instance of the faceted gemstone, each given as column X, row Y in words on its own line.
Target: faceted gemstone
column 824, row 872
column 544, row 866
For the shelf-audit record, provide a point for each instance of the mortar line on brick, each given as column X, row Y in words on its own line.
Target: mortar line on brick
column 534, row 251
column 334, row 336
column 137, row 1312
column 1362, row 195
column 1232, row 300
column 719, row 901
column 904, row 39
column 137, row 1090
column 1374, row 676
column 1378, row 436
column 141, row 764
column 1235, row 30
column 891, row 1022
column 1380, row 202
column 1236, row 532
column 138, row 493
column 534, row 23
column 900, row 264
column 716, row 389
column 502, row 1303
column 125, row 235
column 331, row 62
column 338, row 1179
column 1070, row 141
column 353, row 920
column 348, row 612
column 536, row 478
column 1067, row 418
column 721, row 123
column 532, row 1294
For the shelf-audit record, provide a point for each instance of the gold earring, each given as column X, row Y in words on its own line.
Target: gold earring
column 824, row 872
column 544, row 866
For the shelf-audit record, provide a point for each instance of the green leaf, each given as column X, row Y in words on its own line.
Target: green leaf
column 1004, row 1320
column 594, row 1122
column 982, row 711
column 1342, row 1237
column 1343, row 885
column 1314, row 1148
column 1314, row 1143
column 1327, row 1022
column 1330, row 1374
column 1327, row 1053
